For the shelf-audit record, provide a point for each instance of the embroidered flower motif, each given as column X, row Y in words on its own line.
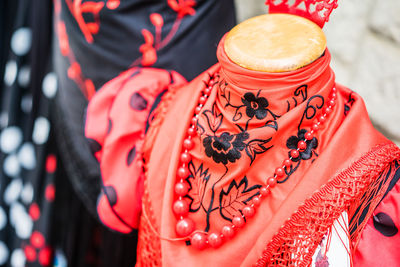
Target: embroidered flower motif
column 312, row 144
column 255, row 106
column 226, row 147
column 149, row 53
column 182, row 7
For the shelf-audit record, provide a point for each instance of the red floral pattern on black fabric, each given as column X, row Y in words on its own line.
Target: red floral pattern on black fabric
column 152, row 42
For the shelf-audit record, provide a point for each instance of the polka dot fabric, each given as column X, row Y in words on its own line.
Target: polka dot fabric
column 381, row 237
column 25, row 130
column 129, row 109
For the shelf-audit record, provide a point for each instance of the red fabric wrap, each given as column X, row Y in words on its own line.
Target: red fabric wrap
column 116, row 119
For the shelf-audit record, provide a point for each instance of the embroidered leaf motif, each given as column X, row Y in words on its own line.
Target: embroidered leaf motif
column 214, row 119
column 197, row 180
column 272, row 124
column 255, row 147
column 235, row 197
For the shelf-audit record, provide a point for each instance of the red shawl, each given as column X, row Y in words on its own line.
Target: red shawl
column 258, row 117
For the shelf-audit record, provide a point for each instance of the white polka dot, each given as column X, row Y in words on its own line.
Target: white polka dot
column 60, row 259
column 11, row 165
column 3, row 253
column 13, row 191
column 41, row 131
column 21, row 221
column 17, row 258
column 10, row 139
column 26, row 156
column 24, row 227
column 27, row 194
column 3, row 218
column 26, row 103
column 49, row 85
column 21, row 41
column 10, row 72
column 24, row 76
column 16, row 212
column 3, row 119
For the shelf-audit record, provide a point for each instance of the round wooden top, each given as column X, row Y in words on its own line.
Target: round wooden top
column 275, row 43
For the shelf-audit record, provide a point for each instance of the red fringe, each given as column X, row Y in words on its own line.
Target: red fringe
column 297, row 240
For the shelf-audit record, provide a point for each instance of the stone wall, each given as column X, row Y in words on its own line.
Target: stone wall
column 364, row 39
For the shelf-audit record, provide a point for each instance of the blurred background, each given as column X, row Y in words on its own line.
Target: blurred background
column 364, row 39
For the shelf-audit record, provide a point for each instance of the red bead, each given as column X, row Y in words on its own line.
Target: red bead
column 202, row 100
column 279, row 172
column 228, row 231
column 214, row 240
column 322, row 119
column 264, row 191
column 185, row 157
column 256, row 201
column 207, row 91
column 238, row 221
column 249, row 211
column 183, row 172
column 302, row 145
column 287, row 163
column 181, row 188
column 334, row 90
column 294, row 153
column 199, row 241
column 271, row 181
column 197, row 110
column 333, row 96
column 188, row 143
column 180, row 207
column 315, row 127
column 184, row 227
column 328, row 110
column 191, row 131
column 194, row 121
column 309, row 136
column 332, row 103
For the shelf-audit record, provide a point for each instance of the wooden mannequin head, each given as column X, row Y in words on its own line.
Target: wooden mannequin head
column 275, row 43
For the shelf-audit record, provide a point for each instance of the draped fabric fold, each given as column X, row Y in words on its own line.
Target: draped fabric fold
column 115, row 126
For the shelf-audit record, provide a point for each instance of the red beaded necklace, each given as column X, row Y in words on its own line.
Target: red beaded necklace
column 185, row 227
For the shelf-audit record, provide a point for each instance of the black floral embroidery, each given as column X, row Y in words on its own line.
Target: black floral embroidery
column 349, row 104
column 312, row 144
column 214, row 118
column 235, row 197
column 301, row 92
column 255, row 106
column 314, row 103
column 226, row 147
column 257, row 146
column 197, row 181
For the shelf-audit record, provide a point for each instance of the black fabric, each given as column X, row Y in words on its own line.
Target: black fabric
column 82, row 238
column 115, row 48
